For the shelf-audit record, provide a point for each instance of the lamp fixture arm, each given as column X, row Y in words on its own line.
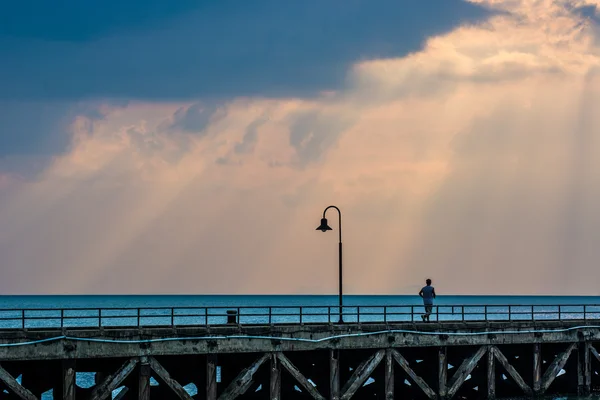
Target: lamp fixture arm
column 340, row 219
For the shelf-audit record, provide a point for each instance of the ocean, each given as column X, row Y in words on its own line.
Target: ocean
column 449, row 307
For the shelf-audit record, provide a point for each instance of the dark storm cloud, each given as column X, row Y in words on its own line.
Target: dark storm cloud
column 226, row 48
column 58, row 53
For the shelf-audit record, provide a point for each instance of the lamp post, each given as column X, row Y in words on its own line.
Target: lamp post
column 324, row 227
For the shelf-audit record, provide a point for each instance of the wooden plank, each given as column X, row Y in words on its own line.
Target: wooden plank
column 163, row 374
column 144, row 379
column 243, row 381
column 389, row 375
column 409, row 371
column 537, row 368
column 301, row 379
column 122, row 394
column 583, row 369
column 491, row 374
column 463, row 371
column 361, row 374
column 334, row 374
column 587, row 368
column 68, row 370
column 555, row 367
column 512, row 371
column 99, row 377
column 594, row 351
column 103, row 390
column 275, row 382
column 15, row 386
column 211, row 377
column 442, row 372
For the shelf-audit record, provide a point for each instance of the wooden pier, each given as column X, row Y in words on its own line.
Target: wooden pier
column 453, row 359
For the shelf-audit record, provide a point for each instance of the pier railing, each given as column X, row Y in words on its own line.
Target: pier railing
column 38, row 318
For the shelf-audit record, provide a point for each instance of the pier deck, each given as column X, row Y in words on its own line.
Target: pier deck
column 481, row 358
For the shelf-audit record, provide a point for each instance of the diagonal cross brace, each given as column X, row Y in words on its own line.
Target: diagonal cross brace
column 511, row 371
column 555, row 367
column 361, row 374
column 15, row 386
column 417, row 379
column 243, row 381
column 301, row 379
column 464, row 370
column 103, row 390
column 166, row 377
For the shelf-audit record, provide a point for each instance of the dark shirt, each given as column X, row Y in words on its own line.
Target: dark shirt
column 427, row 295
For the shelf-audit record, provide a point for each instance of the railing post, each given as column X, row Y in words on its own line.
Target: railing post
column 509, row 313
column 559, row 313
column 301, row 315
column 412, row 313
column 172, row 317
column 138, row 317
column 23, row 319
column 99, row 318
column 270, row 318
column 328, row 314
column 385, row 314
column 532, row 313
column 462, row 313
column 62, row 315
column 485, row 310
column 584, row 312
column 358, row 314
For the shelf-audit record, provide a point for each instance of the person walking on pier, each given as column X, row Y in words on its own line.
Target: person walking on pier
column 427, row 294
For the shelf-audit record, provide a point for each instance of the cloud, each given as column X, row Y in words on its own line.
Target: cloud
column 470, row 160
column 56, row 58
column 214, row 49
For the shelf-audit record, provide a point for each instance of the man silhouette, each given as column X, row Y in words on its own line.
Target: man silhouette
column 427, row 294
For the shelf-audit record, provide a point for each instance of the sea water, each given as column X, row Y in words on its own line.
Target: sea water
column 454, row 306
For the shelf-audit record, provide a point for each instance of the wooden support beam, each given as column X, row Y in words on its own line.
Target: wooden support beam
column 334, row 374
column 99, row 377
column 389, row 375
column 122, row 394
column 243, row 381
column 211, row 377
column 584, row 371
column 512, row 371
column 103, row 390
column 417, row 379
column 491, row 374
column 275, row 382
column 361, row 374
column 463, row 371
column 144, row 379
column 537, row 368
column 68, row 375
column 594, row 352
column 442, row 372
column 163, row 374
column 15, row 386
column 554, row 368
column 301, row 379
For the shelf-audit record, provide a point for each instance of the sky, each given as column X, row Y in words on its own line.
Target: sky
column 152, row 146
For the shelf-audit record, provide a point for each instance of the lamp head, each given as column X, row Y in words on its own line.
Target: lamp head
column 324, row 227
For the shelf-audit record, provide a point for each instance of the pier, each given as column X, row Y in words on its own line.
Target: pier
column 381, row 352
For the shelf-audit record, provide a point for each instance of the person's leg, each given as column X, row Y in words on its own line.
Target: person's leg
column 428, row 312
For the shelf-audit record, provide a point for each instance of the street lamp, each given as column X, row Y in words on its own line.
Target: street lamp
column 324, row 227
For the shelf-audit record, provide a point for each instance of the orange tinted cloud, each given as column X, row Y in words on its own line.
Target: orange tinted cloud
column 470, row 161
